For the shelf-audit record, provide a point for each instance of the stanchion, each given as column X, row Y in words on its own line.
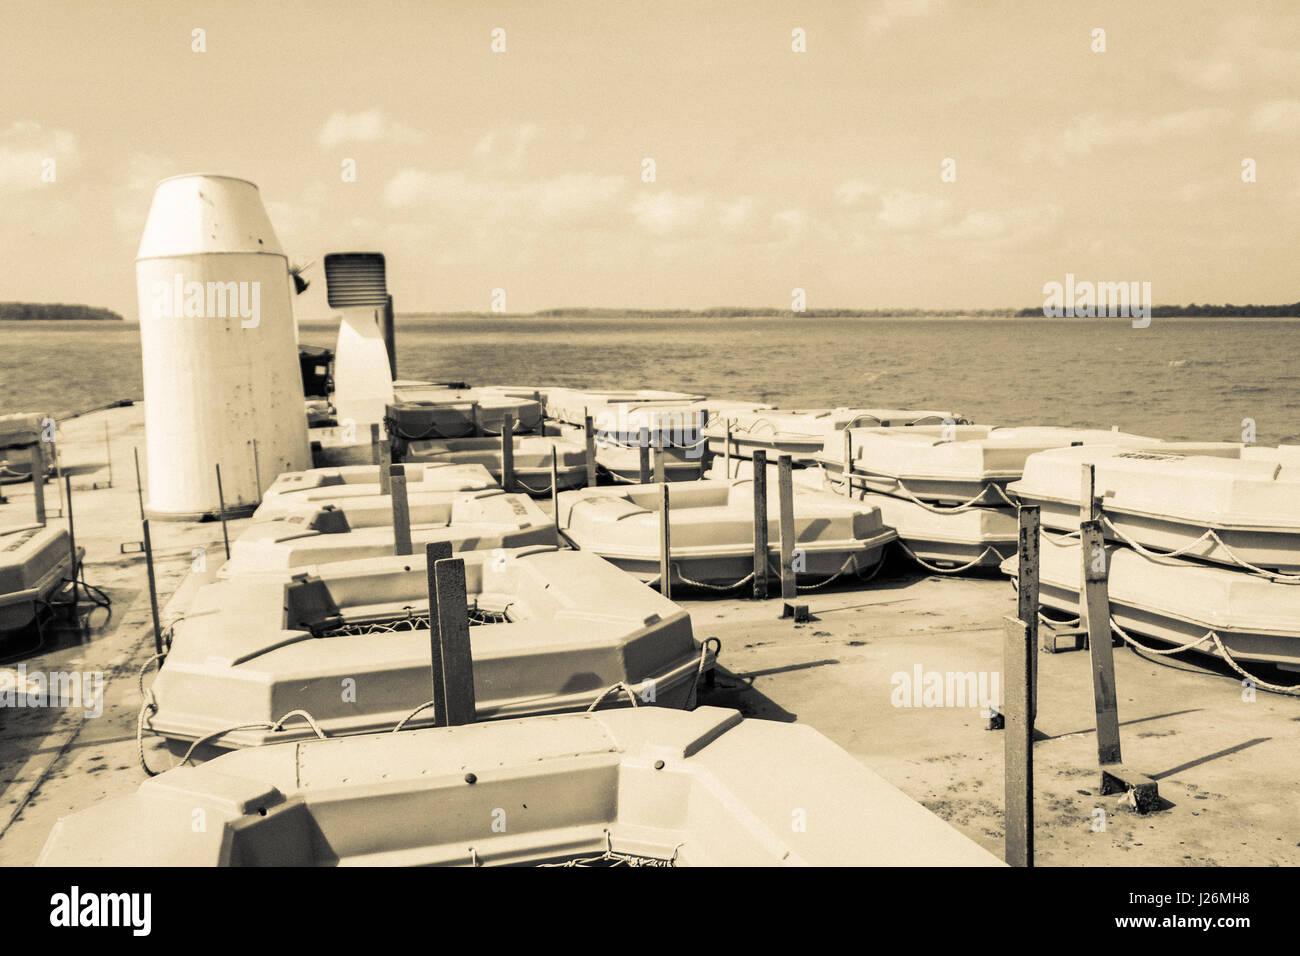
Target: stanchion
column 760, row 524
column 401, row 510
column 1017, row 663
column 221, row 503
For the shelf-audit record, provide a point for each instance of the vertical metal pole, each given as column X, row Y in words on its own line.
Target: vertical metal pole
column 139, row 490
column 434, row 552
column 1096, row 601
column 785, row 495
column 848, row 463
column 1027, row 560
column 257, row 471
column 476, row 418
column 760, row 524
column 1018, row 737
column 699, row 444
column 726, row 448
column 643, row 443
column 659, row 465
column 665, row 545
column 72, row 538
column 590, row 434
column 555, row 493
column 221, row 503
column 453, row 630
column 108, row 454
column 508, row 452
column 153, row 587
column 401, row 510
column 38, row 479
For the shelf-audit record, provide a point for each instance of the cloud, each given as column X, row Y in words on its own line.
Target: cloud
column 853, row 191
column 882, row 15
column 504, row 150
column 567, row 199
column 24, row 148
column 1094, row 132
column 907, row 211
column 367, row 126
column 1241, row 52
column 1001, row 230
column 1276, row 116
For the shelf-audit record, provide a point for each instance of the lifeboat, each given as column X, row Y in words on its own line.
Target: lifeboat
column 423, row 410
column 572, row 405
column 1173, row 602
column 312, row 533
column 1202, row 501
column 531, row 459
column 623, row 461
column 20, row 436
column 649, row 786
column 349, row 643
column 331, row 485
column 802, row 433
column 35, row 562
column 953, row 465
column 941, row 541
column 711, row 527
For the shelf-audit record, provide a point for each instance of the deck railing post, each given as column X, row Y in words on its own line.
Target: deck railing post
column 643, row 450
column 589, row 433
column 1018, row 652
column 665, row 545
column 508, row 452
column 401, row 510
column 1027, row 561
column 760, row 524
column 221, row 504
column 434, row 552
column 453, row 631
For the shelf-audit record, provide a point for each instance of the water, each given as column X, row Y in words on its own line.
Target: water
column 1194, row 379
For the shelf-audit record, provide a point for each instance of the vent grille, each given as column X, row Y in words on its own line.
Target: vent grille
column 356, row 280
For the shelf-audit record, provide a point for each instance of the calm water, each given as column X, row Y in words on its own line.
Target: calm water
column 1178, row 379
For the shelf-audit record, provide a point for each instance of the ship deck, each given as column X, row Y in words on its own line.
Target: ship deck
column 1226, row 767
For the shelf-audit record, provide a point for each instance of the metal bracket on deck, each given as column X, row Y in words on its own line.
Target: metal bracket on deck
column 799, row 612
column 131, row 547
column 1055, row 640
column 1145, row 792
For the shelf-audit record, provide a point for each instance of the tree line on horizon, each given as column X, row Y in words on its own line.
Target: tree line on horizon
column 54, row 311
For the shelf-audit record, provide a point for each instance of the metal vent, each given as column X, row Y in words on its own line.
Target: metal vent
column 355, row 280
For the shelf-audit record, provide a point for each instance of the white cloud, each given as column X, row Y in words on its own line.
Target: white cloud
column 367, row 126
column 883, row 15
column 1092, row 132
column 504, row 150
column 903, row 210
column 1276, row 116
column 568, row 199
column 24, row 148
column 853, row 191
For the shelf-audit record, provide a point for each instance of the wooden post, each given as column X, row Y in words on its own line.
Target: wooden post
column 38, row 479
column 659, row 465
column 383, row 454
column 476, row 418
column 848, row 464
column 1017, row 664
column 153, row 588
column 643, row 442
column 508, row 452
column 760, row 524
column 434, row 552
column 700, row 444
column 453, row 632
column 785, row 495
column 1115, row 777
column 590, row 434
column 401, row 510
column 1030, row 519
column 665, row 545
column 221, row 503
column 555, row 493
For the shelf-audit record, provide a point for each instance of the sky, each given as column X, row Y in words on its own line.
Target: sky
column 774, row 169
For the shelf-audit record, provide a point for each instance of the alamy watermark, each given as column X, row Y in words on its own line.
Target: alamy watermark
column 922, row 688
column 84, row 689
column 1089, row 300
column 208, row 300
